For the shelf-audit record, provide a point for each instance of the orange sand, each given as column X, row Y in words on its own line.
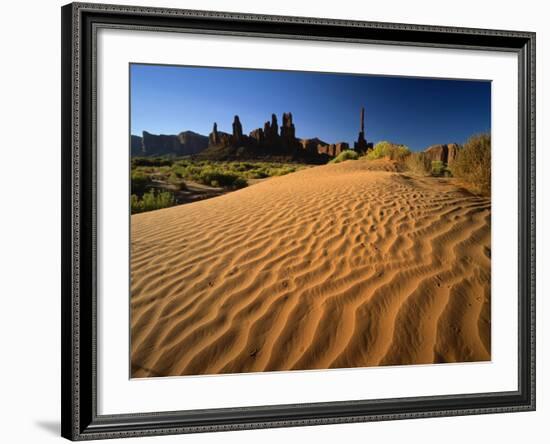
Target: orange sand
column 344, row 265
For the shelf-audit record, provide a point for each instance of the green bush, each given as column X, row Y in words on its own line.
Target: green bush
column 151, row 201
column 243, row 166
column 134, row 204
column 388, row 150
column 240, row 183
column 257, row 174
column 221, row 178
column 176, row 180
column 345, row 155
column 139, row 181
column 473, row 163
column 226, row 174
column 418, row 163
column 281, row 171
column 150, row 161
column 438, row 167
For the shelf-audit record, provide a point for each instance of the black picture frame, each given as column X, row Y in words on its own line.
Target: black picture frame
column 80, row 420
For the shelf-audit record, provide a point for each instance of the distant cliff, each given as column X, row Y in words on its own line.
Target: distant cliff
column 135, row 145
column 182, row 144
column 445, row 153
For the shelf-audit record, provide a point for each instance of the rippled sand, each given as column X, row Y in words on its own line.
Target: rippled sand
column 346, row 265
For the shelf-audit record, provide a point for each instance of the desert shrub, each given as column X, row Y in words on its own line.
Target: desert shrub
column 151, row 201
column 139, row 182
column 156, row 200
column 281, row 171
column 224, row 173
column 438, row 167
column 240, row 183
column 263, row 170
column 134, row 204
column 243, row 166
column 150, row 161
column 388, row 150
column 176, row 180
column 181, row 163
column 418, row 163
column 209, row 175
column 345, row 155
column 187, row 171
column 258, row 174
column 473, row 163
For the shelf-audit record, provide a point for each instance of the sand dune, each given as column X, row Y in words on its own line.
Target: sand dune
column 344, row 265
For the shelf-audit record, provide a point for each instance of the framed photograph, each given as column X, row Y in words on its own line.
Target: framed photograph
column 282, row 221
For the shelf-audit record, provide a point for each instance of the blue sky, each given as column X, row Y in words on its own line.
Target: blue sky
column 416, row 112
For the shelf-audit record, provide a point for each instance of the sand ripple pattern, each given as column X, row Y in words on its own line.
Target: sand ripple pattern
column 346, row 265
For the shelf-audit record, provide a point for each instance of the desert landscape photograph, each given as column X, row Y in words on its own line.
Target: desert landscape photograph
column 292, row 221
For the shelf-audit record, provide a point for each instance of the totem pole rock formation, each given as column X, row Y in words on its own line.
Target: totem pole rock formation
column 287, row 129
column 214, row 138
column 257, row 135
column 288, row 132
column 218, row 138
column 361, row 144
column 271, row 130
column 268, row 141
column 237, row 131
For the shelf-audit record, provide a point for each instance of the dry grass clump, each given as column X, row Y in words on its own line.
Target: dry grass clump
column 473, row 163
column 418, row 163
